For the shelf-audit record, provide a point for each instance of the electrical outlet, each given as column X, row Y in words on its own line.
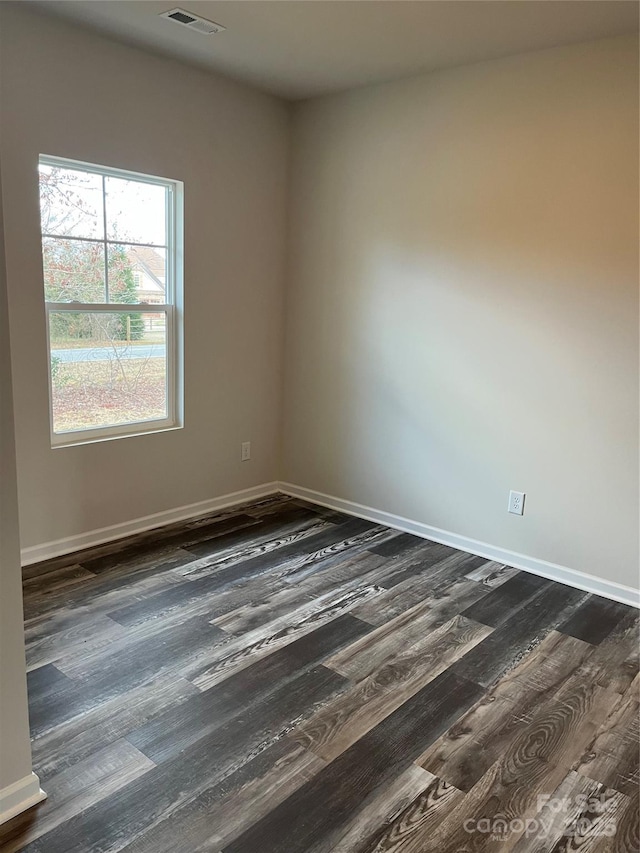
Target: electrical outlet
column 516, row 502
column 245, row 451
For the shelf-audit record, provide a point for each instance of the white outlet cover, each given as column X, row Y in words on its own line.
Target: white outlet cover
column 516, row 502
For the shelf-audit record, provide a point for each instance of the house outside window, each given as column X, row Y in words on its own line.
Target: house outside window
column 112, row 264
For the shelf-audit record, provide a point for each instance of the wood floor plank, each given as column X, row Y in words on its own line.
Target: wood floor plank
column 502, row 603
column 128, row 813
column 76, row 739
column 147, row 648
column 265, row 534
column 615, row 663
column 78, row 788
column 591, row 835
column 148, row 539
column 436, row 581
column 243, row 651
column 220, row 814
column 137, row 560
column 325, row 512
column 179, row 727
column 69, row 619
column 45, row 567
column 517, row 635
column 509, row 791
column 399, row 543
column 301, row 566
column 130, row 556
column 92, row 634
column 595, row 619
column 279, row 676
column 415, row 561
column 282, row 510
column 326, row 537
column 288, row 560
column 195, row 598
column 269, row 505
column 281, row 602
column 286, row 520
column 335, row 578
column 539, row 673
column 444, row 600
column 566, row 723
column 97, row 598
column 627, row 834
column 422, row 816
column 612, row 757
column 239, row 729
column 107, row 591
column 345, row 785
column 335, row 728
column 466, row 752
column 345, row 573
column 266, row 539
column 577, row 804
column 532, row 764
column 492, row 574
column 50, row 692
column 373, row 821
column 371, row 652
column 44, row 681
column 104, row 675
column 56, row 580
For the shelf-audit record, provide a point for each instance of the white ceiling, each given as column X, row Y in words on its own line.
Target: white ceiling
column 301, row 48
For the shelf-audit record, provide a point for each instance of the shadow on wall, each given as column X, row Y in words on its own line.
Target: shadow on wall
column 468, row 314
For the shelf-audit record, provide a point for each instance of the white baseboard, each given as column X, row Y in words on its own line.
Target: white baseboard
column 552, row 571
column 36, row 553
column 20, row 796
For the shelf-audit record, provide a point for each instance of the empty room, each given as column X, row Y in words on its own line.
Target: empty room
column 319, row 521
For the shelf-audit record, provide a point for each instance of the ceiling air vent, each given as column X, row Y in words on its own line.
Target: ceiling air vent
column 200, row 25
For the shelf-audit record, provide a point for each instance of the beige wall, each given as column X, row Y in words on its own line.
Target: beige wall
column 462, row 294
column 463, row 302
column 15, row 749
column 70, row 93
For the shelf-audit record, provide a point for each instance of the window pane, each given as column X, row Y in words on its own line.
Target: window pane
column 73, row 270
column 137, row 274
column 71, row 203
column 107, row 369
column 136, row 211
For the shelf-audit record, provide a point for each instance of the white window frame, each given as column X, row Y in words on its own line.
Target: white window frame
column 172, row 308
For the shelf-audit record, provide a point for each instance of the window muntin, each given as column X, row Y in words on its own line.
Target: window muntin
column 110, row 242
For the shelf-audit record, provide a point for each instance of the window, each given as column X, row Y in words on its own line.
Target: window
column 111, row 251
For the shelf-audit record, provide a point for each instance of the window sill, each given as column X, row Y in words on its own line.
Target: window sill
column 65, row 440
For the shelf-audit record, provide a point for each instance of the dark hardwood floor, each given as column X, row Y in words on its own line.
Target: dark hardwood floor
column 280, row 677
